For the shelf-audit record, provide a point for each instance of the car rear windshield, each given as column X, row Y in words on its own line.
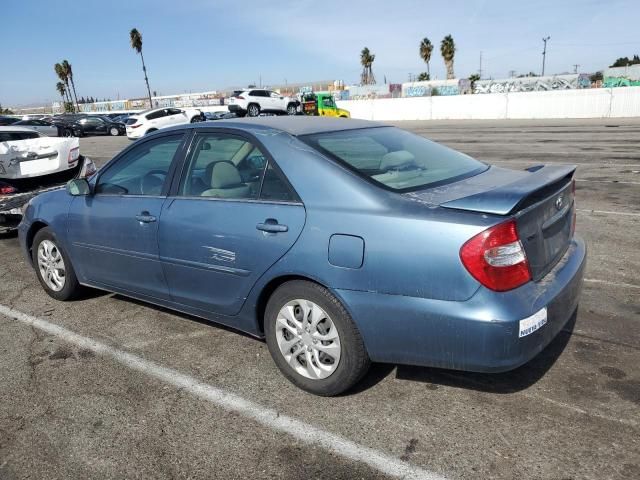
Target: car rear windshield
column 394, row 158
column 13, row 136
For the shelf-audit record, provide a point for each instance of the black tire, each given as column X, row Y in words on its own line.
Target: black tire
column 292, row 109
column 196, row 119
column 151, row 130
column 354, row 360
column 68, row 132
column 114, row 132
column 72, row 287
column 253, row 110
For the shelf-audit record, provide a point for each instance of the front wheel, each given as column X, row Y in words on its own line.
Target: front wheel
column 53, row 267
column 292, row 109
column 196, row 119
column 313, row 340
column 114, row 132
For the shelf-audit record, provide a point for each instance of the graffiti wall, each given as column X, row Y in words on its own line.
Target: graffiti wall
column 432, row 87
column 533, row 84
column 202, row 99
column 622, row 77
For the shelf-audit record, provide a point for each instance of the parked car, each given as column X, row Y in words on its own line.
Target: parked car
column 49, row 129
column 339, row 241
column 31, row 163
column 4, row 121
column 220, row 115
column 252, row 102
column 148, row 121
column 98, row 125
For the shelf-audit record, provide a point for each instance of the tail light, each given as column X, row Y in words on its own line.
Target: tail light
column 496, row 258
column 7, row 189
column 74, row 154
column 240, row 97
column 136, row 126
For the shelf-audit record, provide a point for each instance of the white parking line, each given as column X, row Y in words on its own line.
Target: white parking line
column 613, row 284
column 607, row 181
column 303, row 432
column 608, row 212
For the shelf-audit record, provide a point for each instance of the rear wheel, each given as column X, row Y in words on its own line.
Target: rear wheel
column 196, row 119
column 151, row 130
column 253, row 110
column 53, row 267
column 67, row 132
column 313, row 340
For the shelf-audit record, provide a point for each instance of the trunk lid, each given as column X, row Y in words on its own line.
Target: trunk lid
column 541, row 199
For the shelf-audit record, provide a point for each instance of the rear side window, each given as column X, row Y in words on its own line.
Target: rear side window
column 131, row 120
column 232, row 168
column 394, row 158
column 13, row 136
column 158, row 114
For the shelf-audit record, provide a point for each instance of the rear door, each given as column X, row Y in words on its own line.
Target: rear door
column 114, row 231
column 232, row 216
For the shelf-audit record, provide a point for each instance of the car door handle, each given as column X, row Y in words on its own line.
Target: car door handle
column 271, row 225
column 145, row 217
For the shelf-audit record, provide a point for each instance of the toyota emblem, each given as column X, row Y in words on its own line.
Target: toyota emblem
column 559, row 202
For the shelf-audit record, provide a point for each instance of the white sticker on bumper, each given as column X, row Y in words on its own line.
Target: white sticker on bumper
column 534, row 322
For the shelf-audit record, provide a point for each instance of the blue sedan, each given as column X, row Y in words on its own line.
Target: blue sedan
column 341, row 242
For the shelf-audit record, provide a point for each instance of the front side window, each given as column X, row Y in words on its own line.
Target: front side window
column 395, row 158
column 143, row 170
column 230, row 167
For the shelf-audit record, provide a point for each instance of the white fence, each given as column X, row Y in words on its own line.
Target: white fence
column 585, row 103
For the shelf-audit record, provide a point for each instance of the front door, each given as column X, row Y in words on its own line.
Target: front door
column 226, row 225
column 113, row 232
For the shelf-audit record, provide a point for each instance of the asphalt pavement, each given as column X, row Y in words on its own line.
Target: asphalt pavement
column 107, row 387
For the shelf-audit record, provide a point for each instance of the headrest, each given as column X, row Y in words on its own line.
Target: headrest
column 224, row 174
column 395, row 159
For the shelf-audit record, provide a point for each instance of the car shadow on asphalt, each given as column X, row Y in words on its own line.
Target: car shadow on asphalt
column 501, row 383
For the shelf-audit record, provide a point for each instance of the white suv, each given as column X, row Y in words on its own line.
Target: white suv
column 253, row 102
column 140, row 124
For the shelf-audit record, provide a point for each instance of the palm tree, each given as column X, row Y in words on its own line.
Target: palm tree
column 366, row 60
column 424, row 77
column 62, row 75
column 136, row 43
column 62, row 90
column 69, row 72
column 448, row 51
column 426, row 47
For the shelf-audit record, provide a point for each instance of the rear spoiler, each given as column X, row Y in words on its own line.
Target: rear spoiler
column 510, row 197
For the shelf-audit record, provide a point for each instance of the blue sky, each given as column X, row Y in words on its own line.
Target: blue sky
column 197, row 45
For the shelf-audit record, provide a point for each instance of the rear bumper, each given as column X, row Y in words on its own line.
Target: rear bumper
column 11, row 206
column 480, row 334
column 236, row 109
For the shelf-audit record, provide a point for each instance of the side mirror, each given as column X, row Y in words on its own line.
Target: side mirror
column 78, row 187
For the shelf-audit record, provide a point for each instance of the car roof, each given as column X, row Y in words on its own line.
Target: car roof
column 293, row 125
column 16, row 129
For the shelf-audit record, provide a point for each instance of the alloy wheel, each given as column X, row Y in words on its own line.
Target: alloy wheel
column 51, row 265
column 308, row 339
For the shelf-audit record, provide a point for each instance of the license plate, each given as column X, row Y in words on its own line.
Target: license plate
column 534, row 322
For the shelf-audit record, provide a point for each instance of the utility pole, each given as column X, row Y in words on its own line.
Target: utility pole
column 575, row 67
column 544, row 52
column 480, row 69
column 512, row 73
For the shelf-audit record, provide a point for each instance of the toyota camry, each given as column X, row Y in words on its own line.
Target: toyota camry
column 340, row 242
